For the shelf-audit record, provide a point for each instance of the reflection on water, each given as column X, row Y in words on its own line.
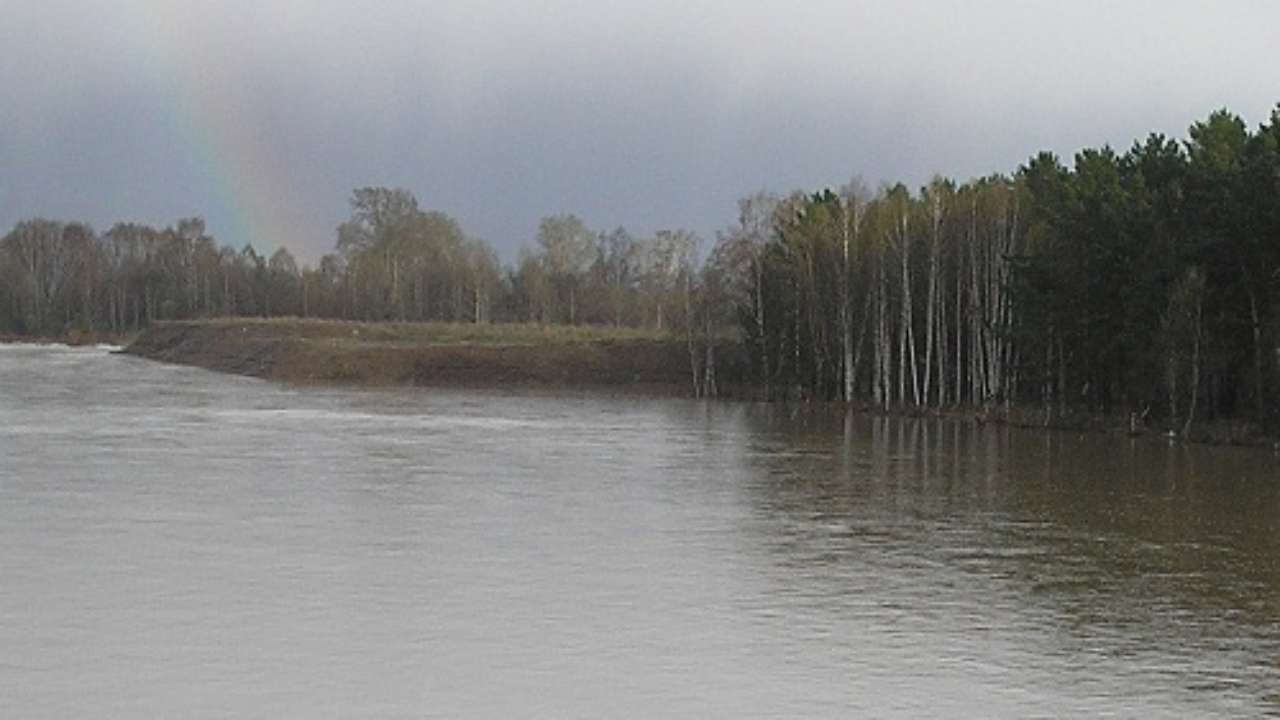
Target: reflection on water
column 175, row 542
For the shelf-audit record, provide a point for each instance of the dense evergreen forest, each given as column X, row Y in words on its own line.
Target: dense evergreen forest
column 1146, row 282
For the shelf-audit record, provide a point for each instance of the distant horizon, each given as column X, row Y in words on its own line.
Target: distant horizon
column 508, row 253
column 261, row 118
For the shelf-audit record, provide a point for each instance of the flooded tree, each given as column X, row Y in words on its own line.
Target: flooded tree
column 1140, row 283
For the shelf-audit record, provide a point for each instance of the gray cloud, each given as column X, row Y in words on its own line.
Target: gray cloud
column 263, row 115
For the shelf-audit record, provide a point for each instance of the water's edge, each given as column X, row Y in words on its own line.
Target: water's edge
column 278, row 352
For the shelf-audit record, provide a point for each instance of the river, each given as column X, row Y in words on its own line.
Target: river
column 180, row 543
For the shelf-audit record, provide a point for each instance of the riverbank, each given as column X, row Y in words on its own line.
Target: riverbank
column 1210, row 431
column 389, row 354
column 74, row 338
column 610, row 360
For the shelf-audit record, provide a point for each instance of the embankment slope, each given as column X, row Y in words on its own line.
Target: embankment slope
column 323, row 351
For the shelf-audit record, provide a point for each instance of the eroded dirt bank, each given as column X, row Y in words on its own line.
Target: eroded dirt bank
column 317, row 351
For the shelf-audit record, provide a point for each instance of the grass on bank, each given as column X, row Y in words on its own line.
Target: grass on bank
column 74, row 338
column 431, row 333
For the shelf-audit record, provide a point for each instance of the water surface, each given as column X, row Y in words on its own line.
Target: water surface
column 175, row 542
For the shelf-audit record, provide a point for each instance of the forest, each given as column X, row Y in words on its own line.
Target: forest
column 1144, row 282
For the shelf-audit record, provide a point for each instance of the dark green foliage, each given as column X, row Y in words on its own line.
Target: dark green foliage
column 1146, row 282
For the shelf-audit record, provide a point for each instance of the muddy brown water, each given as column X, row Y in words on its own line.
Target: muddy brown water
column 180, row 543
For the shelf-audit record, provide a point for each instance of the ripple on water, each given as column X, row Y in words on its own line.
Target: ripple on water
column 178, row 542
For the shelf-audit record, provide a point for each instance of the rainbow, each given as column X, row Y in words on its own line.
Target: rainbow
column 246, row 176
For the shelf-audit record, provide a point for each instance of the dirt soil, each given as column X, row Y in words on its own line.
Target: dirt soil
column 315, row 351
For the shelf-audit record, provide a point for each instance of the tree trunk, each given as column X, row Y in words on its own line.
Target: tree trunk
column 688, row 334
column 907, row 341
column 932, row 296
column 709, row 388
column 846, row 332
column 758, row 267
column 883, row 350
column 1259, row 390
column 958, row 390
column 860, row 342
column 1195, row 367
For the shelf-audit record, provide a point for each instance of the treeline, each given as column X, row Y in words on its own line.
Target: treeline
column 1142, row 282
column 392, row 261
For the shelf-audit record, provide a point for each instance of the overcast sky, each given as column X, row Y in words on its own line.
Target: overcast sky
column 262, row 116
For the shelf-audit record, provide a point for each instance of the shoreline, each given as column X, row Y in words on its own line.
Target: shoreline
column 72, row 339
column 1209, row 432
column 599, row 360
column 335, row 352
